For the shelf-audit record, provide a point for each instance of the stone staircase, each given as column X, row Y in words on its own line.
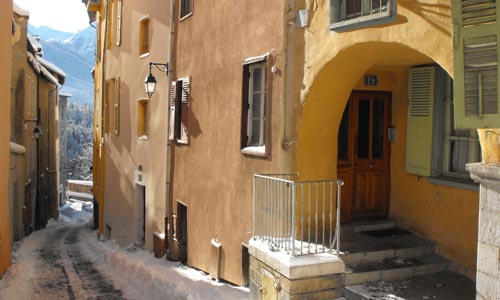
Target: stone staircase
column 379, row 251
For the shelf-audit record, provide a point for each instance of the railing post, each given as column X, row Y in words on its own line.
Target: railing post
column 293, row 218
column 254, row 206
column 339, row 185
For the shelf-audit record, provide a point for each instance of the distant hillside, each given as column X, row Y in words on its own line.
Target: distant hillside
column 47, row 33
column 75, row 55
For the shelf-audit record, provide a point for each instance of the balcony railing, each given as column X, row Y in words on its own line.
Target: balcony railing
column 299, row 217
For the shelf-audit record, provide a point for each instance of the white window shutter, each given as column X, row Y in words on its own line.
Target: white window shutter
column 186, row 90
column 475, row 53
column 250, row 106
column 171, row 125
column 117, row 106
column 262, row 105
column 420, row 120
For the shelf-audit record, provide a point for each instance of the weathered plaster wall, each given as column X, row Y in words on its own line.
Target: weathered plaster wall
column 125, row 151
column 5, row 56
column 334, row 64
column 211, row 175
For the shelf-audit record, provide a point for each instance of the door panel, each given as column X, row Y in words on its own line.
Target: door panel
column 365, row 167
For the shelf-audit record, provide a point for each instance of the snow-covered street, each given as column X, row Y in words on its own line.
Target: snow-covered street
column 66, row 261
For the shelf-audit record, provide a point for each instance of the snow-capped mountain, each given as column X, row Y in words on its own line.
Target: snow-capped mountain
column 74, row 53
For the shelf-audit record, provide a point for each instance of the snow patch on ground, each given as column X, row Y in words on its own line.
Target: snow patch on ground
column 153, row 278
column 138, row 273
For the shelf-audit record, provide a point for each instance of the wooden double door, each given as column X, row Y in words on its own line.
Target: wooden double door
column 364, row 156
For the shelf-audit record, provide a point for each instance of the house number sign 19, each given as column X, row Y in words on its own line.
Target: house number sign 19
column 371, row 80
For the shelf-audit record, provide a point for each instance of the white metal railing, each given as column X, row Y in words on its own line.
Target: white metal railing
column 300, row 217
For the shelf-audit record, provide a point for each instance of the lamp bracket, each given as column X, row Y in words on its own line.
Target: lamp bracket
column 160, row 66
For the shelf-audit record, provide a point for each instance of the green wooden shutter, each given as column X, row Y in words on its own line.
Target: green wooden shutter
column 420, row 122
column 475, row 54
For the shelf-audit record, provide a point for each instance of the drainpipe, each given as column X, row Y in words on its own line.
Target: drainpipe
column 171, row 64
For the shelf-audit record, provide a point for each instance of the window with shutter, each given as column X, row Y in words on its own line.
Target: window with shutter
column 420, row 122
column 171, row 125
column 434, row 147
column 179, row 110
column 116, row 107
column 475, row 42
column 254, row 108
column 109, row 94
column 119, row 23
column 186, row 88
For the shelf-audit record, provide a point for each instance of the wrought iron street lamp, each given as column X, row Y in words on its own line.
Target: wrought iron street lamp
column 150, row 81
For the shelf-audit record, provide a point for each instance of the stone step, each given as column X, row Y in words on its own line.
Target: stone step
column 380, row 255
column 366, row 226
column 442, row 285
column 395, row 268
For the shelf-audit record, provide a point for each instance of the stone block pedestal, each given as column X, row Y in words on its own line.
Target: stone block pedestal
column 488, row 247
column 278, row 275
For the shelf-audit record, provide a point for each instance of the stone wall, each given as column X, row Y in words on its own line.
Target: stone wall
column 488, row 246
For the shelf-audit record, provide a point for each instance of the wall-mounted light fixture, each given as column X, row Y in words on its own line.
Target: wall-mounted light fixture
column 150, row 81
column 37, row 132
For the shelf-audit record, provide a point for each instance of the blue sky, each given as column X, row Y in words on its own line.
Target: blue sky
column 63, row 15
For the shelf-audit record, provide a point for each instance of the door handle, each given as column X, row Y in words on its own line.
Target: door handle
column 370, row 165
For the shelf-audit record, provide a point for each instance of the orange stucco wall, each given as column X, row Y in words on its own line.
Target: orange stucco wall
column 333, row 65
column 118, row 189
column 211, row 175
column 5, row 57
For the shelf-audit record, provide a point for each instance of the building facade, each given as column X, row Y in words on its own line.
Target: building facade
column 318, row 89
column 130, row 127
column 227, row 123
column 34, row 90
column 6, row 38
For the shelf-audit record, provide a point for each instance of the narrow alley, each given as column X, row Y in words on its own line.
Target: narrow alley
column 66, row 261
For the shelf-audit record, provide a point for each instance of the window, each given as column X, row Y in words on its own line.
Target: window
column 116, row 106
column 114, row 24
column 142, row 118
column 112, row 105
column 144, row 42
column 186, row 8
column 179, row 108
column 254, row 108
column 352, row 14
column 457, row 147
column 434, row 147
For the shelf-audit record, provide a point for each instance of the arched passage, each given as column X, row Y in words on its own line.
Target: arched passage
column 324, row 105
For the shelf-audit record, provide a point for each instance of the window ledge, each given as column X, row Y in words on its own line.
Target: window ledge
column 143, row 138
column 454, row 182
column 186, row 17
column 255, row 150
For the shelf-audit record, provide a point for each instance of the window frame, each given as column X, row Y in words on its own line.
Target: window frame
column 144, row 36
column 443, row 138
column 189, row 13
column 247, row 130
column 340, row 25
column 143, row 119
